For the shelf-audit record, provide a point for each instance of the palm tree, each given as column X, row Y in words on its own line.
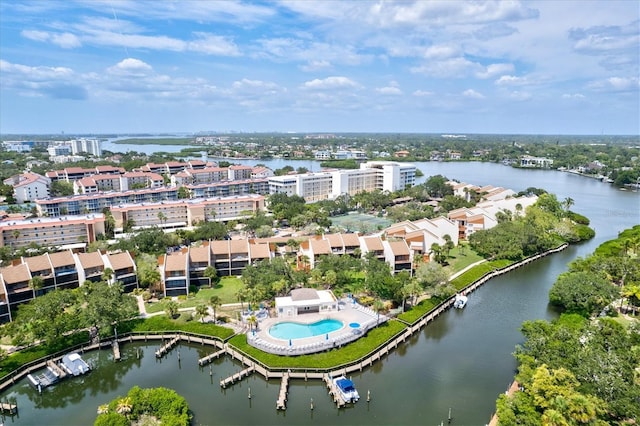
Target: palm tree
column 103, row 409
column 171, row 309
column 36, row 283
column 107, row 274
column 252, row 321
column 201, row 311
column 211, row 273
column 215, row 303
column 378, row 306
column 124, row 406
column 567, row 203
column 162, row 218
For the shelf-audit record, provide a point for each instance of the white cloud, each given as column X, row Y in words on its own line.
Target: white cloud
column 441, row 52
column 494, row 69
column 315, row 65
column 511, row 80
column 393, row 89
column 616, row 84
column 52, row 82
column 422, row 93
column 64, row 40
column 470, row 93
column 131, row 67
column 212, row 44
column 448, row 68
column 329, row 83
column 575, row 96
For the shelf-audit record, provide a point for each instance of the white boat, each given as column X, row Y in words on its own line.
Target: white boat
column 460, row 302
column 346, row 388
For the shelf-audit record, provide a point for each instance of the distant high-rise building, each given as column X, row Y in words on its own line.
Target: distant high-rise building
column 89, row 146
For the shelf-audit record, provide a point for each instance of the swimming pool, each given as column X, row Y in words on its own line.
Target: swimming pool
column 295, row 330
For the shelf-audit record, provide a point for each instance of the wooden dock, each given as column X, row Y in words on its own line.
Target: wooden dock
column 281, row 403
column 167, row 347
column 56, row 369
column 333, row 392
column 236, row 377
column 207, row 359
column 116, row 350
column 8, row 408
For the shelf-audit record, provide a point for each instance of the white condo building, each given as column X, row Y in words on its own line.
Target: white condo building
column 383, row 175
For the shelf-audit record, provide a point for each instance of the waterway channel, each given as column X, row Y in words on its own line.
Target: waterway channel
column 462, row 360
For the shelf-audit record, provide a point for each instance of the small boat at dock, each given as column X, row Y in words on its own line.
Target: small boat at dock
column 347, row 389
column 460, row 302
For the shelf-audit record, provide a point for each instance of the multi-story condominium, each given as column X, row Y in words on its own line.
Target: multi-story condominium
column 186, row 212
column 484, row 214
column 183, row 269
column 239, row 172
column 230, row 257
column 51, row 232
column 97, row 202
column 76, row 173
column 89, row 146
column 58, row 150
column 227, row 188
column 117, row 182
column 381, row 175
column 200, row 176
column 260, row 172
column 29, row 186
column 60, row 270
column 421, row 234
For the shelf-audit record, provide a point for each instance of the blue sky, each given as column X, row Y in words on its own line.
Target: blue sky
column 539, row 67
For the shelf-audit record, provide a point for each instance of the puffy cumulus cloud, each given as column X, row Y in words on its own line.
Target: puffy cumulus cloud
column 393, row 89
column 53, row 82
column 441, row 52
column 331, row 83
column 493, row 70
column 472, row 94
column 447, row 13
column 212, row 44
column 131, row 67
column 65, row 40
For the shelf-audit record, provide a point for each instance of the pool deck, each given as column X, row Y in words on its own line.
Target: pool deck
column 348, row 312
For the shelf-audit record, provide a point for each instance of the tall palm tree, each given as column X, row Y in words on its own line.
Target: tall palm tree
column 252, row 321
column 201, row 311
column 215, row 303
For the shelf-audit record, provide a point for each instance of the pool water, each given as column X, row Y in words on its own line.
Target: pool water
column 295, row 330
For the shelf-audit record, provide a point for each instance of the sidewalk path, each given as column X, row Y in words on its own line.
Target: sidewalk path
column 457, row 274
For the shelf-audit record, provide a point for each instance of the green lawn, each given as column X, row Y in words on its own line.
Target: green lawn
column 226, row 290
column 330, row 359
column 461, row 257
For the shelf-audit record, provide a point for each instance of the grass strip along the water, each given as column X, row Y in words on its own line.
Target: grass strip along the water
column 324, row 360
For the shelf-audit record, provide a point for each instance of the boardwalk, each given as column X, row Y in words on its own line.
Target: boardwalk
column 236, row 377
column 333, row 392
column 167, row 347
column 281, row 404
column 207, row 359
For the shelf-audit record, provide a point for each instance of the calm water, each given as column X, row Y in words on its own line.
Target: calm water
column 462, row 361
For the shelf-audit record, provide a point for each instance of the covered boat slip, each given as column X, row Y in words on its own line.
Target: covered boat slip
column 70, row 365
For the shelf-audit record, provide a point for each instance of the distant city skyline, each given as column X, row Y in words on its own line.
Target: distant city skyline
column 456, row 67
